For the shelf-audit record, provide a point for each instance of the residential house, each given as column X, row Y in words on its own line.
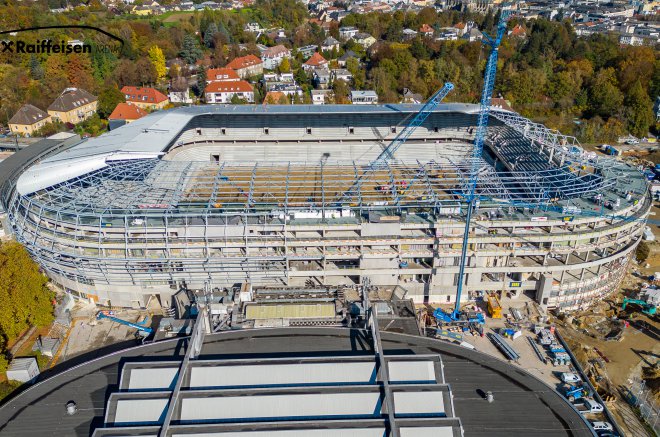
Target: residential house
column 289, row 89
column 247, row 66
column 342, row 74
column 462, row 28
column 276, row 98
column 345, row 57
column 408, row 34
column 28, row 119
column 321, row 78
column 124, row 114
column 364, row 39
column 364, row 97
column 149, row 99
column 447, row 34
column 307, row 51
column 179, row 91
column 320, row 97
column 316, row 61
column 426, row 30
column 518, row 32
column 411, row 97
column 473, row 35
column 73, row 106
column 221, row 75
column 252, row 27
column 330, row 44
column 501, row 103
column 224, row 91
column 348, row 32
column 273, row 56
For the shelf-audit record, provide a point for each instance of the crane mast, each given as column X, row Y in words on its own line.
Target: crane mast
column 477, row 151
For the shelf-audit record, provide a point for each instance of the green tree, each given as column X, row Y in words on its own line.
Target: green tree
column 25, row 300
column 639, row 110
column 643, row 251
column 36, row 71
column 605, row 99
column 157, row 59
column 109, row 97
column 209, row 35
column 285, row 66
column 190, row 51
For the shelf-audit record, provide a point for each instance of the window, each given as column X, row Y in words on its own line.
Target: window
column 436, row 129
column 393, row 129
column 224, row 131
column 215, row 157
column 309, row 131
column 266, row 131
column 351, row 130
column 199, row 131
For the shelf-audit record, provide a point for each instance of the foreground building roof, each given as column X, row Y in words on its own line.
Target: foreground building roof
column 291, row 382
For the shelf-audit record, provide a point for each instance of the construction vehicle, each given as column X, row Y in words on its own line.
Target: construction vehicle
column 459, row 317
column 141, row 327
column 575, row 392
column 647, row 308
column 494, row 307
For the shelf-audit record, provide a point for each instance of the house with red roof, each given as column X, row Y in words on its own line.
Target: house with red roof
column 224, row 91
column 426, row 30
column 316, row 61
column 146, row 98
column 221, row 74
column 518, row 31
column 124, row 114
column 247, row 66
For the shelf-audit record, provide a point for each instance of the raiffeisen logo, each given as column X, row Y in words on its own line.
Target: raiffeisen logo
column 16, row 43
column 45, row 46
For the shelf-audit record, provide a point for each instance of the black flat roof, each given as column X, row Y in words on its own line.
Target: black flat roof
column 523, row 404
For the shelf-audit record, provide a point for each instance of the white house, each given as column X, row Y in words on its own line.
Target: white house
column 273, row 56
column 348, row 32
column 367, row 97
column 224, row 91
column 320, row 97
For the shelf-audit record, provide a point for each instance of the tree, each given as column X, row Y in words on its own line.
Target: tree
column 209, row 35
column 157, row 59
column 109, row 97
column 285, row 66
column 605, row 99
column 25, row 300
column 639, row 110
column 190, row 52
column 36, row 71
column 200, row 86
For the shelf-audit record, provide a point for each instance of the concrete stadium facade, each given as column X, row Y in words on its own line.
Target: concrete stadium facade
column 285, row 196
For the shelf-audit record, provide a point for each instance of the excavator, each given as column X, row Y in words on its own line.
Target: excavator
column 647, row 308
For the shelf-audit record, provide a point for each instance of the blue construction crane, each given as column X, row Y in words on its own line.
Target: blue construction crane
column 417, row 121
column 140, row 326
column 482, row 127
column 403, row 136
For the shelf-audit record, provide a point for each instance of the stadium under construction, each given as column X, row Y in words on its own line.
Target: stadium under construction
column 289, row 196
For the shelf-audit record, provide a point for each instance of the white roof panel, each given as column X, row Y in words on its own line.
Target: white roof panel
column 139, row 410
column 404, row 371
column 282, row 374
column 351, row 432
column 152, row 378
column 274, row 406
column 427, row 431
column 419, row 402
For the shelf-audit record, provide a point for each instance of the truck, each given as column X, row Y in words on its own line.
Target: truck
column 494, row 307
column 575, row 392
column 588, row 406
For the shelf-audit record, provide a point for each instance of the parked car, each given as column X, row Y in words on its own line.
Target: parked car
column 602, row 426
column 587, row 405
column 569, row 378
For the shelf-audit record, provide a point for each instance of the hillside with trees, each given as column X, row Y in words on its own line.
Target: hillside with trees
column 590, row 87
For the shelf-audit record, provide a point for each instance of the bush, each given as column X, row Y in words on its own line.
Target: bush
column 643, row 251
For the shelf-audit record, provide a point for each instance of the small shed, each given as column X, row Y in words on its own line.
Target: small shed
column 23, row 369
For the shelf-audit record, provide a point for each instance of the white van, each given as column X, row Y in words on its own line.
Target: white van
column 602, row 426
